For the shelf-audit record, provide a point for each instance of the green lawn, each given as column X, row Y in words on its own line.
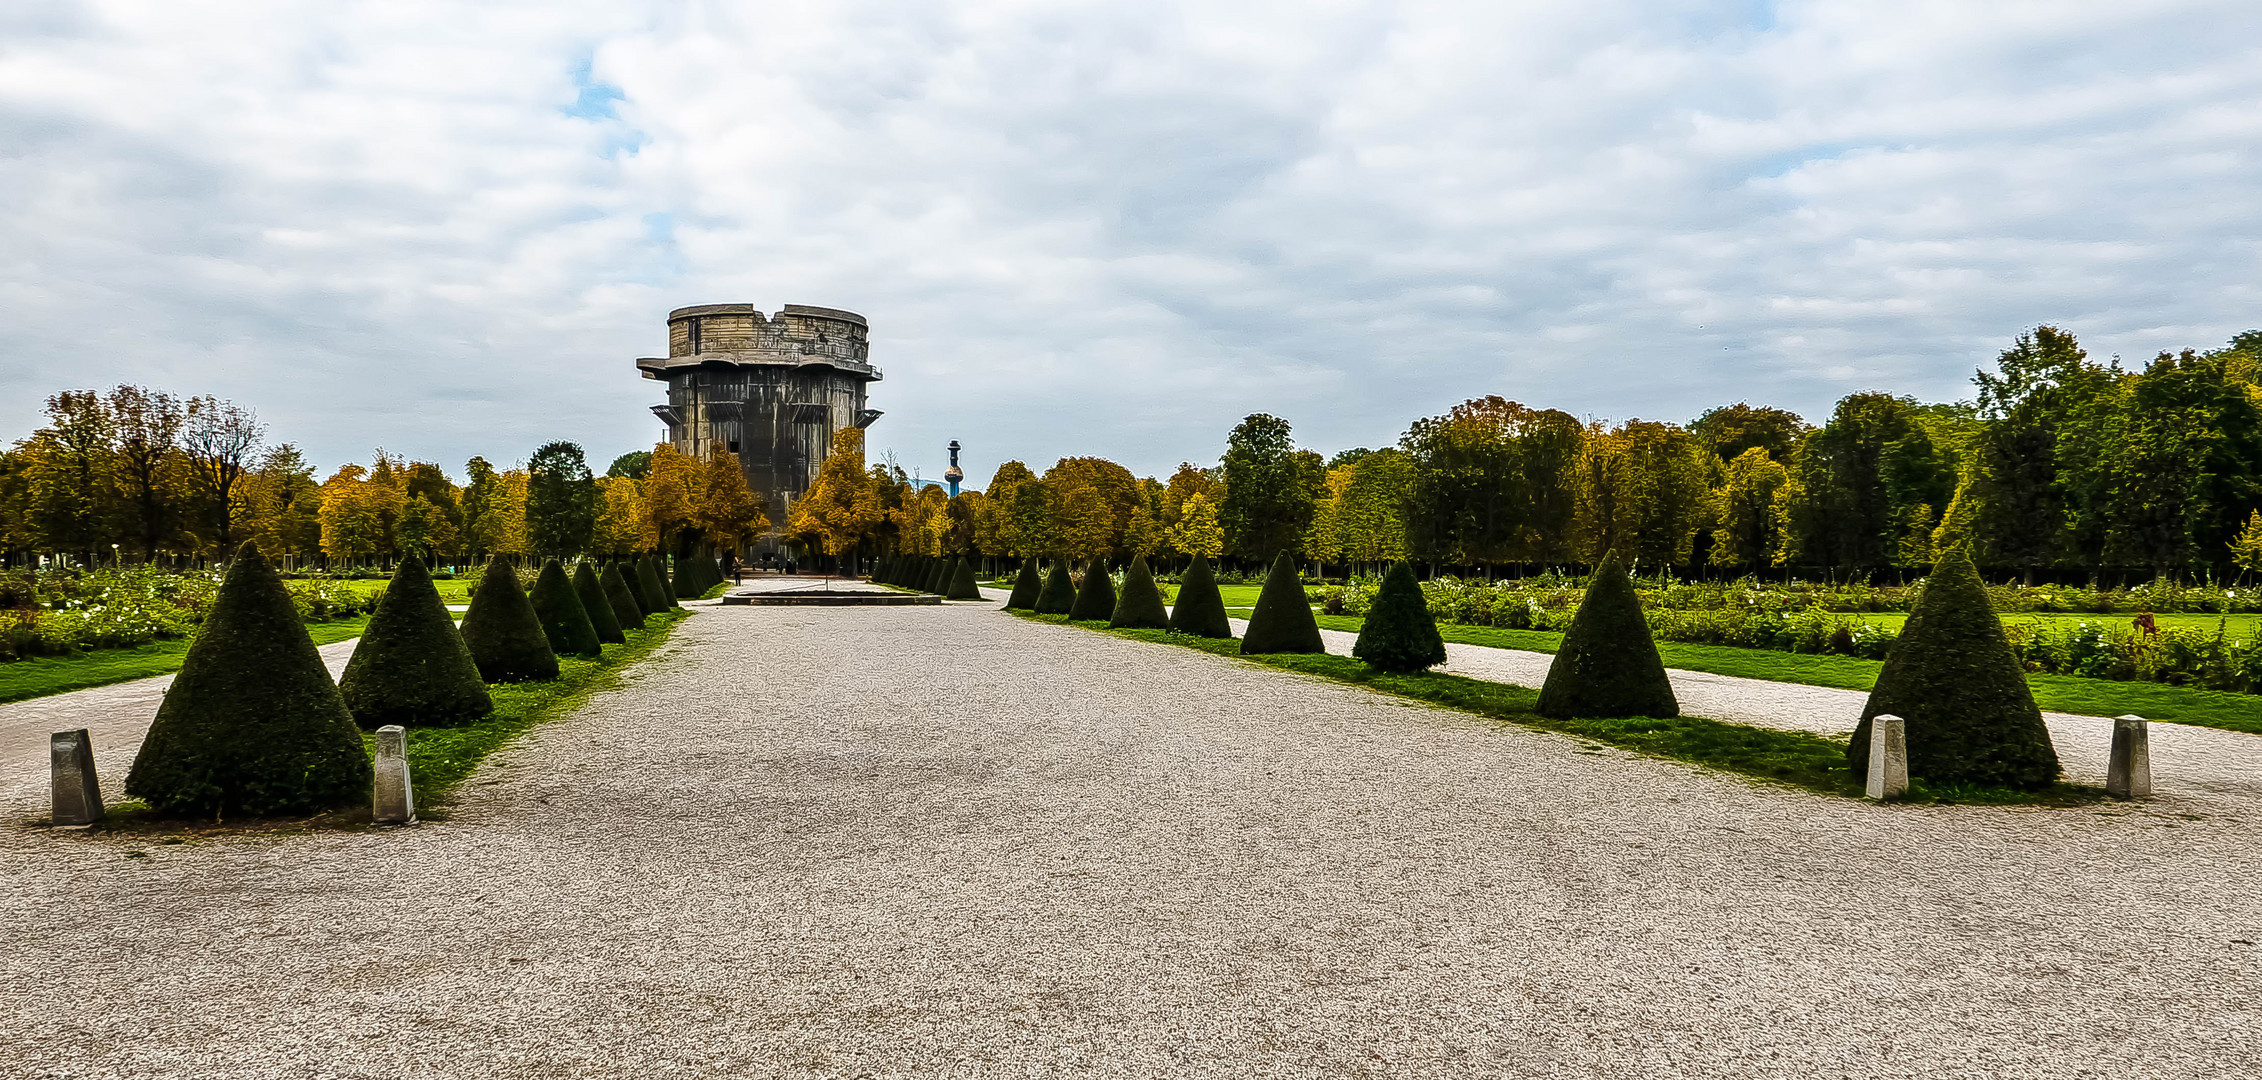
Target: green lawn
column 2057, row 693
column 40, row 676
column 1795, row 758
column 452, row 590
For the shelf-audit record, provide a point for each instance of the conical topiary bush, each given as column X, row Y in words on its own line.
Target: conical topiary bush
column 252, row 724
column 1140, row 606
column 1200, row 610
column 655, row 583
column 634, row 583
column 502, row 631
column 1095, row 596
column 1608, row 664
column 1960, row 691
column 1059, row 594
column 411, row 667
column 591, row 593
column 1282, row 621
column 564, row 620
column 626, row 612
column 962, row 583
column 1026, row 585
column 1399, row 634
column 938, row 579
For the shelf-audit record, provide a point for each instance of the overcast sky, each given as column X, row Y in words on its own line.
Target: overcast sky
column 1108, row 229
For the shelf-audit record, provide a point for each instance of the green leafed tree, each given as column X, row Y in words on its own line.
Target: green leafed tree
column 561, row 501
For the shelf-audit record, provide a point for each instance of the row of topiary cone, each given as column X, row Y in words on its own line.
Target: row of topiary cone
column 1952, row 677
column 253, row 724
column 696, row 575
column 1400, row 635
column 946, row 576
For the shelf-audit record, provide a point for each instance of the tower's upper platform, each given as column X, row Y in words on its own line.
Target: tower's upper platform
column 734, row 335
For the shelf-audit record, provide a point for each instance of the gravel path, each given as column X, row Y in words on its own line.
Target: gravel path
column 944, row 841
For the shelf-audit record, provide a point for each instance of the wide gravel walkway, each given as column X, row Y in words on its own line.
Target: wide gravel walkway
column 945, row 841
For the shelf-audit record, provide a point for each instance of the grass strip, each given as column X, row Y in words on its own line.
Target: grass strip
column 42, row 676
column 1792, row 758
column 440, row 759
column 2056, row 693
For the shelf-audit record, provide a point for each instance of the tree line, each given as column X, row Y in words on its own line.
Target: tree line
column 146, row 476
column 2059, row 464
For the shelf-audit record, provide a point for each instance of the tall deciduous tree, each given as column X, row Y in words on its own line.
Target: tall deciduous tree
column 221, row 442
column 561, row 501
column 1268, row 501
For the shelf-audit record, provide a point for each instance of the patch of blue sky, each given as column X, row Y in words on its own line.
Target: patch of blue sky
column 593, row 100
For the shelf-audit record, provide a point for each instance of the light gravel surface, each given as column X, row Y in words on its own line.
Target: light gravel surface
column 945, row 841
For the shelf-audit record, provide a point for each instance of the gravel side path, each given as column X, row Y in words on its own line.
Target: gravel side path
column 115, row 716
column 944, row 841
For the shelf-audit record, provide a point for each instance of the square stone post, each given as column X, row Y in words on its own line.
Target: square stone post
column 395, row 802
column 2128, row 772
column 78, row 795
column 1888, row 758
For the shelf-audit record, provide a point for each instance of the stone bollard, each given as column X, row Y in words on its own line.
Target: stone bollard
column 2128, row 772
column 1888, row 758
column 395, row 802
column 78, row 795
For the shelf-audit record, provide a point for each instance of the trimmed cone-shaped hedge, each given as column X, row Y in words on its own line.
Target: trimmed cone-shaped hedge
column 655, row 583
column 564, row 620
column 591, row 593
column 411, row 666
column 962, row 584
column 938, row 577
column 1953, row 679
column 694, row 575
column 1399, row 633
column 1026, row 585
column 627, row 613
column 1608, row 663
column 1095, row 598
column 634, row 582
column 252, row 724
column 1058, row 596
column 1200, row 610
column 1282, row 621
column 502, row 631
column 1140, row 607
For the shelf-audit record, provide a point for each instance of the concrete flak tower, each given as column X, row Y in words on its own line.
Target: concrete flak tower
column 770, row 391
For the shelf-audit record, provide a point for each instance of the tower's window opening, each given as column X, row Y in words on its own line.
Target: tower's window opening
column 694, row 335
column 734, row 446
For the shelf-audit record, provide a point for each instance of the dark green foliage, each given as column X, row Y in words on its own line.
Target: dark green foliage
column 1140, row 607
column 655, row 583
column 1955, row 682
column 962, row 583
column 253, row 724
column 627, row 613
column 1059, row 593
column 1608, row 663
column 937, row 580
column 591, row 593
column 1026, row 585
column 1200, row 610
column 632, row 574
column 411, row 666
column 694, row 575
column 1282, row 621
column 504, row 634
column 1095, row 598
column 1399, row 633
column 561, row 500
column 564, row 620
column 634, row 465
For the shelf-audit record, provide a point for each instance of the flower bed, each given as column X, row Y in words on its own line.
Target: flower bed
column 56, row 613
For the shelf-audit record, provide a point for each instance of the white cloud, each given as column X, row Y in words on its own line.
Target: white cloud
column 1107, row 229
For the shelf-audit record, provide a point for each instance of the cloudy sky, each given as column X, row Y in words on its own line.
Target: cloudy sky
column 1111, row 229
